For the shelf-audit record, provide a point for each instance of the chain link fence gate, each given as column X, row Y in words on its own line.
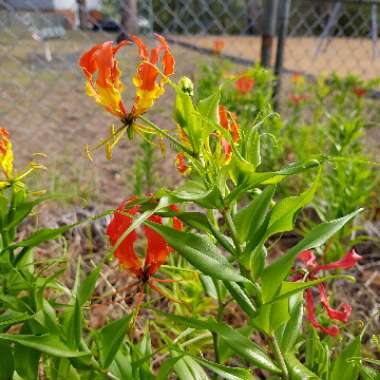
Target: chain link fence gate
column 41, row 41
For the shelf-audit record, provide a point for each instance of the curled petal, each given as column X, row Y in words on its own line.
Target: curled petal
column 6, row 153
column 297, row 99
column 143, row 50
column 308, row 257
column 181, row 163
column 227, row 151
column 167, row 60
column 347, row 262
column 106, row 88
column 228, row 121
column 311, row 316
column 125, row 252
column 359, row 91
column 157, row 248
column 148, row 89
column 339, row 315
column 223, row 118
column 218, row 46
column 244, row 85
column 177, row 224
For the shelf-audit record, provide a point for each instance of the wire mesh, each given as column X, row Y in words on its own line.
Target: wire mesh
column 41, row 43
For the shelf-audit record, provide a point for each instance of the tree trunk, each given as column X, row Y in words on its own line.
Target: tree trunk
column 82, row 12
column 129, row 16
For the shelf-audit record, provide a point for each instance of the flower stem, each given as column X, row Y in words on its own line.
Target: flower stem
column 279, row 356
column 167, row 135
column 231, row 226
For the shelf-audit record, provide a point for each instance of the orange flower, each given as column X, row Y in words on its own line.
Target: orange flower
column 218, row 46
column 359, row 91
column 157, row 248
column 6, row 153
column 244, row 85
column 181, row 163
column 147, row 90
column 107, row 87
column 297, row 78
column 297, row 99
column 228, row 121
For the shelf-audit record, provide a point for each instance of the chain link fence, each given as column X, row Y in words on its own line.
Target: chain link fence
column 41, row 42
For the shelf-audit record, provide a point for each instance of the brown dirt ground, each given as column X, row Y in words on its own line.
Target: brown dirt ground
column 342, row 55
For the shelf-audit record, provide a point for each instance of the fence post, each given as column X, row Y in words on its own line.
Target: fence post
column 82, row 13
column 283, row 21
column 129, row 16
column 269, row 30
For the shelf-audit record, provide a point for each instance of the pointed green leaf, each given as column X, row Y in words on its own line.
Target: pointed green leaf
column 200, row 251
column 241, row 344
column 343, row 368
column 47, row 343
column 110, row 338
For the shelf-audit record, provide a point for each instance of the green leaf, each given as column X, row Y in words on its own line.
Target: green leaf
column 228, row 373
column 293, row 328
column 250, row 219
column 110, row 338
column 270, row 317
column 241, row 344
column 166, row 368
column 268, row 178
column 276, row 272
column 342, row 368
column 193, row 191
column 253, row 154
column 182, row 370
column 6, row 361
column 283, row 213
column 209, row 107
column 200, row 251
column 27, row 362
column 86, row 288
column 74, row 327
column 368, row 373
column 42, row 235
column 196, row 370
column 241, row 297
column 47, row 343
column 298, row 371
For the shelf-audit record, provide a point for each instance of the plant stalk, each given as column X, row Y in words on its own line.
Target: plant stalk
column 279, row 356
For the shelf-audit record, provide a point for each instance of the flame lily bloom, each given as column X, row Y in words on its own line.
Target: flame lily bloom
column 157, row 248
column 218, row 46
column 244, row 85
column 100, row 61
column 107, row 87
column 309, row 260
column 359, row 91
column 298, row 79
column 147, row 90
column 6, row 154
column 181, row 163
column 297, row 99
column 227, row 121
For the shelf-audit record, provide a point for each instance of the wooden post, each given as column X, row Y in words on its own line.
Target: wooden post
column 82, row 12
column 129, row 14
column 282, row 32
column 269, row 31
